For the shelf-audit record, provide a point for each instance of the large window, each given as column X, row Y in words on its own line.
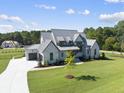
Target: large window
column 51, row 56
column 62, row 54
column 94, row 51
column 79, row 43
column 88, row 51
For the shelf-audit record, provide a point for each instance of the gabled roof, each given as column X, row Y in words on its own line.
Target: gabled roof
column 57, row 35
column 47, row 35
column 82, row 34
column 91, row 42
column 75, row 36
column 43, row 46
column 63, row 33
column 78, row 35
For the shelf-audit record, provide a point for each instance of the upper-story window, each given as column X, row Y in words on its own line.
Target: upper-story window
column 62, row 54
column 62, row 43
column 70, row 43
column 79, row 43
column 95, row 51
column 88, row 51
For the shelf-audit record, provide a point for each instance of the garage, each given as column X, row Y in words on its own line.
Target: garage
column 32, row 56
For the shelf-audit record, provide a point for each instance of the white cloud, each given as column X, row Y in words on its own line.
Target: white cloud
column 11, row 18
column 47, row 7
column 6, row 28
column 32, row 26
column 70, row 11
column 114, row 1
column 85, row 12
column 16, row 18
column 115, row 17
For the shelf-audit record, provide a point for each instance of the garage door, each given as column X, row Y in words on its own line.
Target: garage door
column 32, row 56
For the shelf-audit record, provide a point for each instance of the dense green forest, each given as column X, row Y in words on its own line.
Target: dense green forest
column 24, row 37
column 108, row 38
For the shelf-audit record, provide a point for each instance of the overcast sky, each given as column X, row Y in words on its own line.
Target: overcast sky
column 66, row 14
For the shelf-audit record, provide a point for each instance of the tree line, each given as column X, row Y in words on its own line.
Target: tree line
column 23, row 37
column 108, row 38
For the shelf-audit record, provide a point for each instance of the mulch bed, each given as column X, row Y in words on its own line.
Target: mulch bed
column 69, row 76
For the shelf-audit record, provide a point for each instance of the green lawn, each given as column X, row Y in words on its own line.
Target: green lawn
column 108, row 75
column 7, row 54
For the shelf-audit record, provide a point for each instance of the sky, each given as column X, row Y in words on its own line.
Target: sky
column 17, row 15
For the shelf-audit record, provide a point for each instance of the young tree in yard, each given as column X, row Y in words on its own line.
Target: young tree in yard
column 69, row 60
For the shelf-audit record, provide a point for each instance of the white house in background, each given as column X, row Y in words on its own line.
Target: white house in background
column 56, row 42
column 10, row 44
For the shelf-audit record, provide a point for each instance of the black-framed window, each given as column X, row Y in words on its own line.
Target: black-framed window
column 94, row 51
column 62, row 43
column 71, row 43
column 88, row 51
column 62, row 54
column 51, row 56
column 79, row 43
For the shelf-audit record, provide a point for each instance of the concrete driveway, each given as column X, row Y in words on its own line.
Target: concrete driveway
column 14, row 78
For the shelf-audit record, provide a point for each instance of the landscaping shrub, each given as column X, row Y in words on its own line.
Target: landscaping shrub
column 103, row 55
column 1, row 47
column 45, row 63
column 39, row 64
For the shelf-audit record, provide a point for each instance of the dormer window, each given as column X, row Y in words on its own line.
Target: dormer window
column 61, row 41
column 71, row 43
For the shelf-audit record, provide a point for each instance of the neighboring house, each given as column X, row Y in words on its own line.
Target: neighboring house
column 56, row 42
column 10, row 44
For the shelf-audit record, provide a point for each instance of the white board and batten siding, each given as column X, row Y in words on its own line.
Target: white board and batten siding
column 94, row 48
column 62, row 55
column 83, row 52
column 51, row 49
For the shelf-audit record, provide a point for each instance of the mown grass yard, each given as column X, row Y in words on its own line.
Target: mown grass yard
column 7, row 54
column 98, row 76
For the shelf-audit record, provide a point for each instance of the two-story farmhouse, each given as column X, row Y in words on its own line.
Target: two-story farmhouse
column 55, row 42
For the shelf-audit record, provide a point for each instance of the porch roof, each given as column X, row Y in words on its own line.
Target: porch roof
column 68, row 48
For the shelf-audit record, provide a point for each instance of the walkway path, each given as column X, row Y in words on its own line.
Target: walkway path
column 52, row 67
column 14, row 78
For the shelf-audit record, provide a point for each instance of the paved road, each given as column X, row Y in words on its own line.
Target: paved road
column 115, row 52
column 14, row 78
